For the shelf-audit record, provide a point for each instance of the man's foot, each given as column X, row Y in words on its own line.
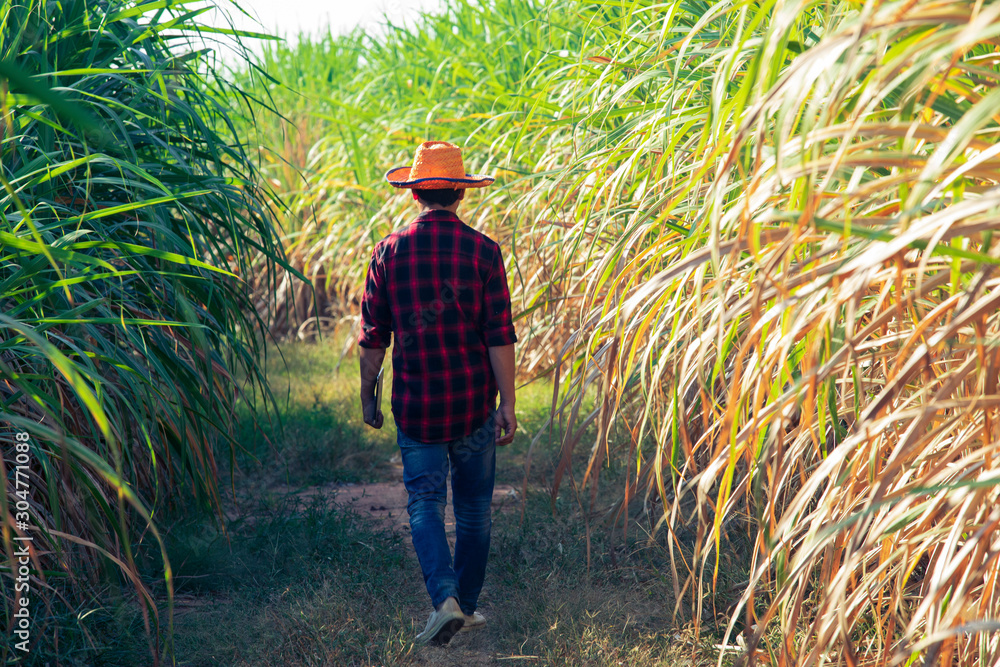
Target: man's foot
column 473, row 622
column 443, row 623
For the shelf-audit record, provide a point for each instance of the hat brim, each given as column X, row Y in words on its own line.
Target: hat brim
column 400, row 178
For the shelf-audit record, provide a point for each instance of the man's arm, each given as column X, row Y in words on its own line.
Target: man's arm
column 376, row 333
column 502, row 361
column 499, row 336
column 371, row 362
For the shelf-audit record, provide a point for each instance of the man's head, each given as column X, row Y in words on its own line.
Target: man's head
column 446, row 198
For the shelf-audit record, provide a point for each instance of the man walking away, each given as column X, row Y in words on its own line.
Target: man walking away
column 440, row 288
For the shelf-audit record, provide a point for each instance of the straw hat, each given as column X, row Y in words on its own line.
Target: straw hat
column 436, row 165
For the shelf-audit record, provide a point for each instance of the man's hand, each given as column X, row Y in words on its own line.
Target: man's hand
column 502, row 361
column 371, row 362
column 505, row 421
column 368, row 413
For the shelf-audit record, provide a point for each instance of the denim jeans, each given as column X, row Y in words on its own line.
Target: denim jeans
column 425, row 473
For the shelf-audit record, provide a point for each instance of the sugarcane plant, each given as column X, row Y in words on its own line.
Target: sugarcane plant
column 792, row 288
column 130, row 216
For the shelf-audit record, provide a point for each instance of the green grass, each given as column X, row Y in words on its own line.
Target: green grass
column 324, row 438
column 294, row 582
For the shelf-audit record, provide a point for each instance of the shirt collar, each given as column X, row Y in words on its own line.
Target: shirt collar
column 434, row 215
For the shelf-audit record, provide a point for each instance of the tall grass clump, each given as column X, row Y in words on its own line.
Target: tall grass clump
column 790, row 270
column 128, row 221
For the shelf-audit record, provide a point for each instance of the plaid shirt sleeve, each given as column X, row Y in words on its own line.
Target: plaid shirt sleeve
column 376, row 320
column 498, row 324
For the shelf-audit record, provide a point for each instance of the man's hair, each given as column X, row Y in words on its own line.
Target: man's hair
column 441, row 197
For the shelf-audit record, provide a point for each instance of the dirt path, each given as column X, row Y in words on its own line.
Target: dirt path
column 385, row 503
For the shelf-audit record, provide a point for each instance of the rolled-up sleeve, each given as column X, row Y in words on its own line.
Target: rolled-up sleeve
column 498, row 324
column 376, row 319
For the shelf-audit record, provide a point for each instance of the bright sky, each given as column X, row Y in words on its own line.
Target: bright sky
column 287, row 17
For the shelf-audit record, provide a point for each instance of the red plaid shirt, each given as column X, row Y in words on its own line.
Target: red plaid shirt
column 440, row 288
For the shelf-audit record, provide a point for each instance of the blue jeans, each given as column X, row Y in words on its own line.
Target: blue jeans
column 425, row 473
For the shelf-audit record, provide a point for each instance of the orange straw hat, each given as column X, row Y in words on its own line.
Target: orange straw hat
column 436, row 165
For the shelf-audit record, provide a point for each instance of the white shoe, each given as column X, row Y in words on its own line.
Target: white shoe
column 443, row 623
column 473, row 622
